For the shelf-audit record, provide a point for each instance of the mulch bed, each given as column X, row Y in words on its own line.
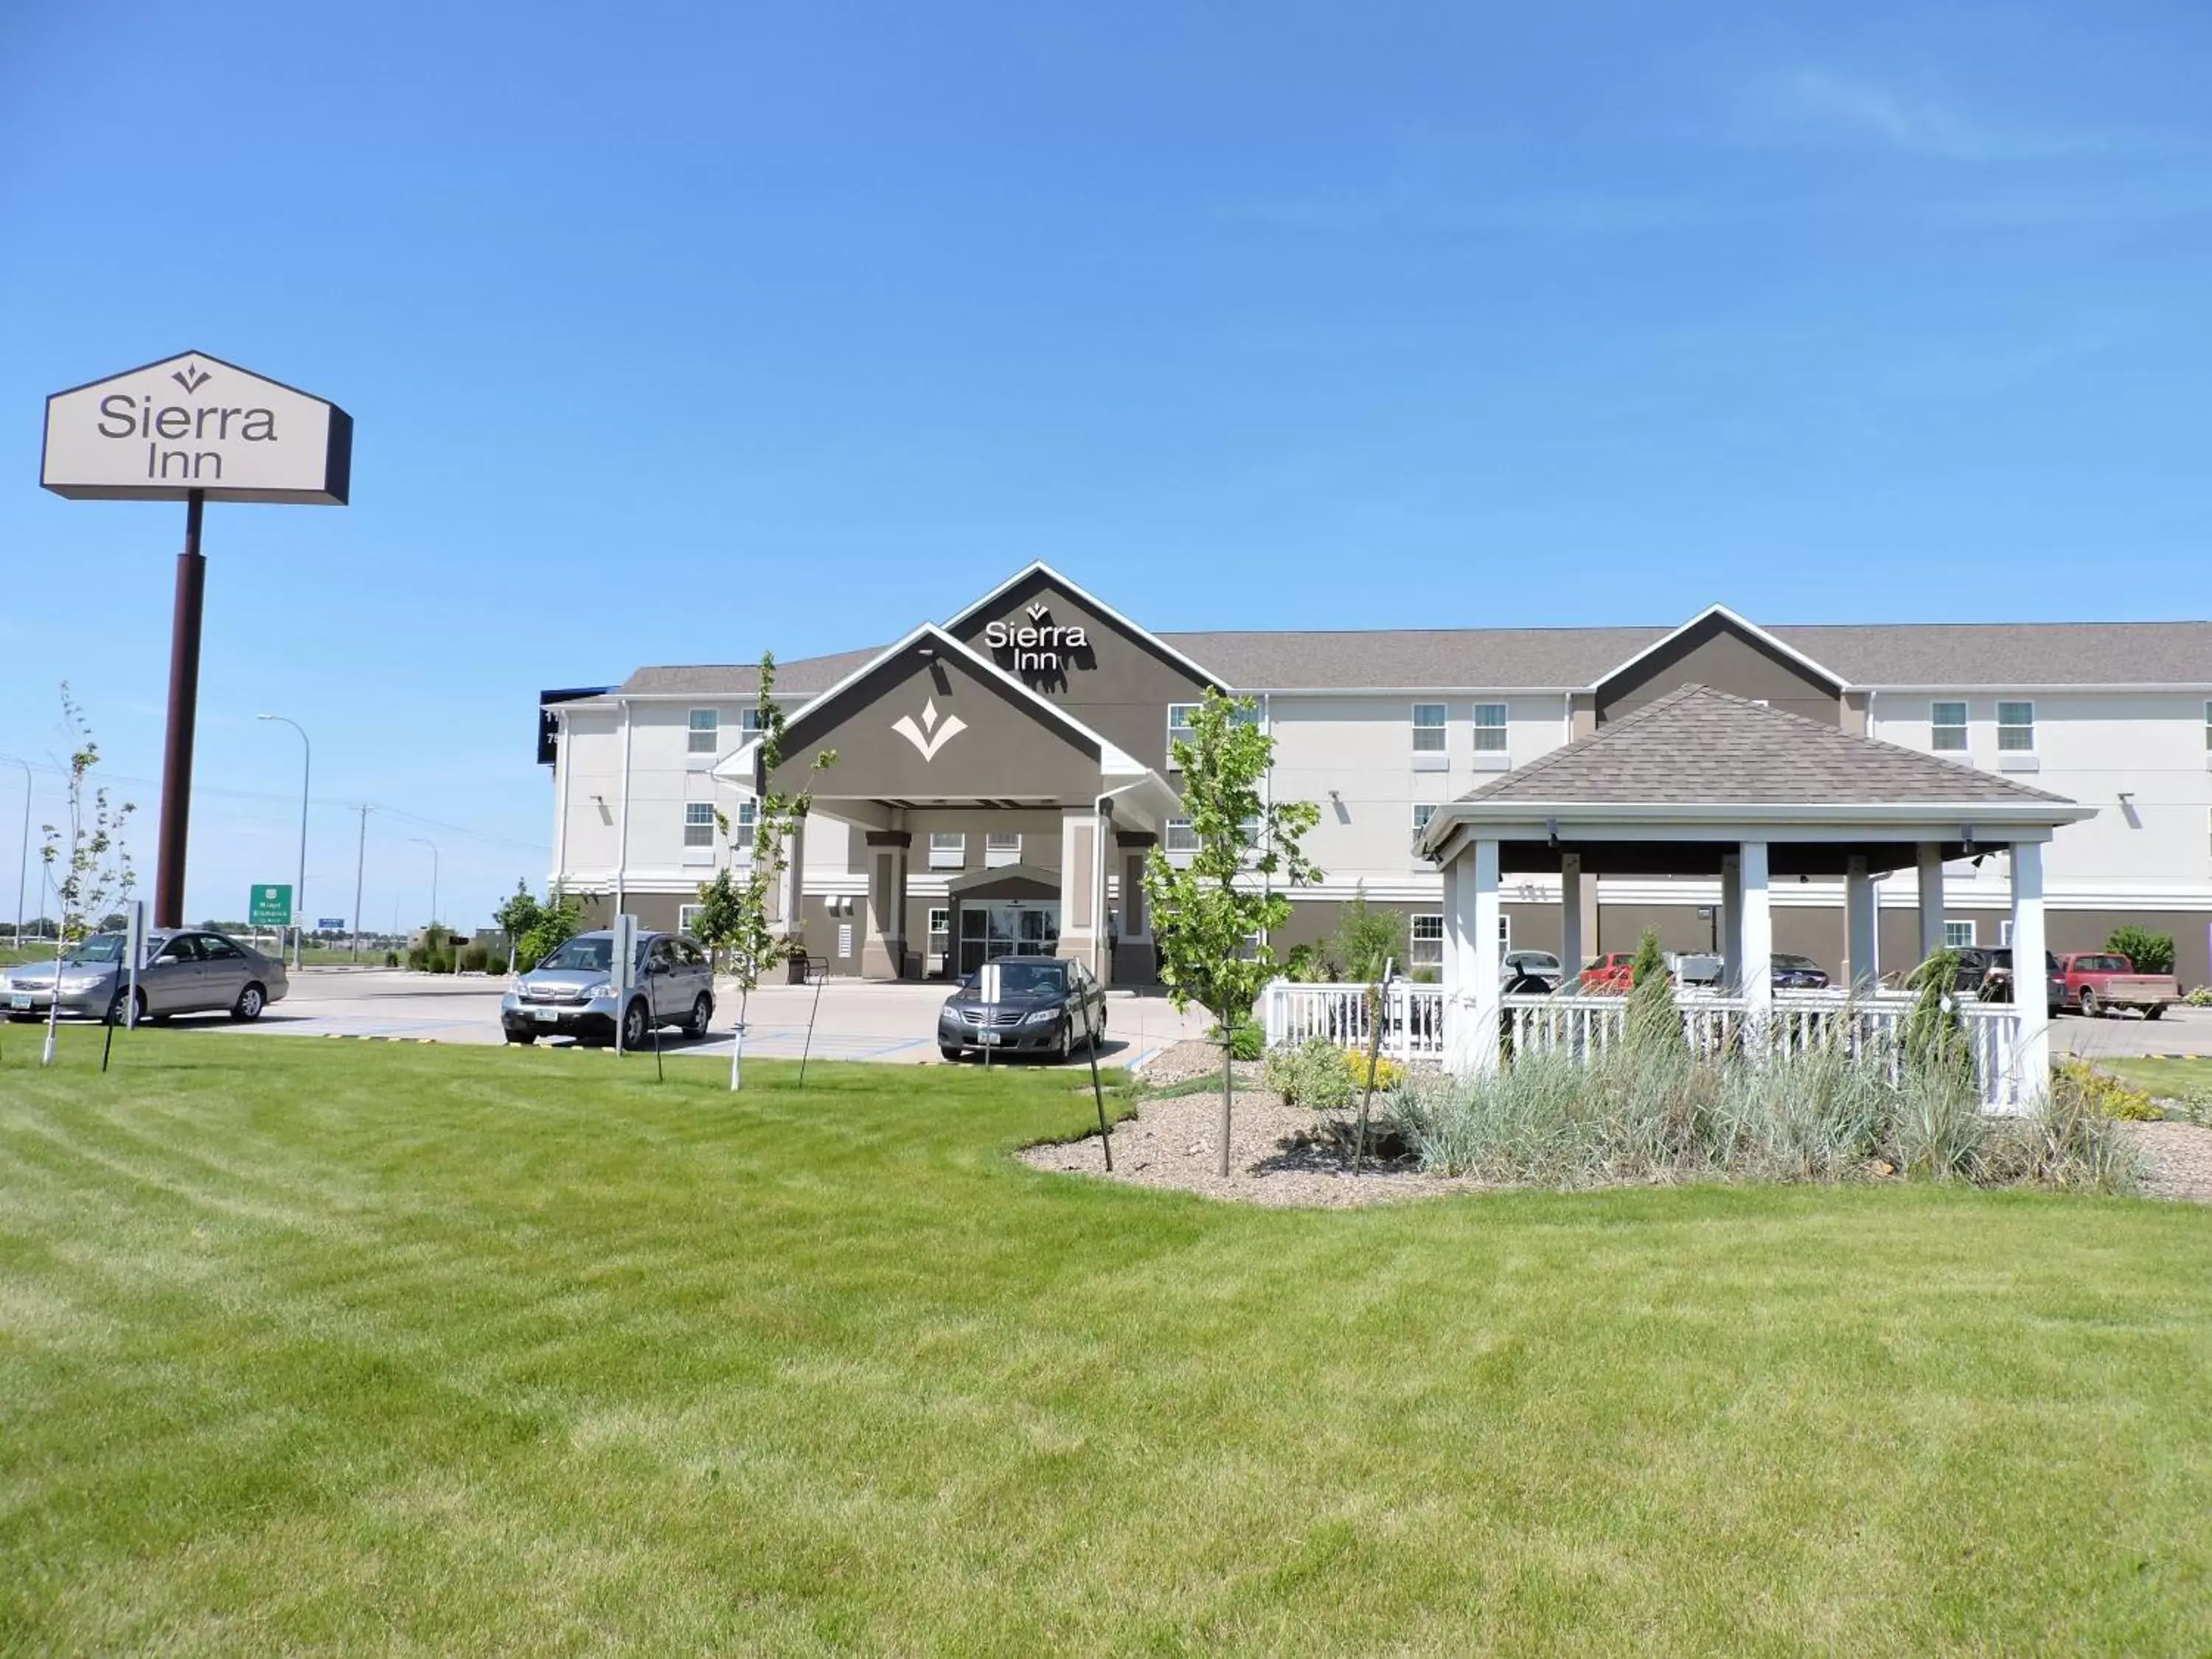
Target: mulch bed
column 2180, row 1157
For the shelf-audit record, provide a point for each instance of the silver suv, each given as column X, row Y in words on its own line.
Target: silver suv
column 572, row 991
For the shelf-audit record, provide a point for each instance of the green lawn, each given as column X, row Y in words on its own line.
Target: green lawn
column 2170, row 1080
column 323, row 1347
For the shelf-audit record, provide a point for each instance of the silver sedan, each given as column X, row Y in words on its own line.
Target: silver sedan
column 185, row 972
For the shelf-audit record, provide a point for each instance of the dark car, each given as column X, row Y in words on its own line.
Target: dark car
column 1047, row 1005
column 1798, row 973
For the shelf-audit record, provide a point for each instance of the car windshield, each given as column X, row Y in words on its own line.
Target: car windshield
column 101, row 947
column 593, row 956
column 1017, row 979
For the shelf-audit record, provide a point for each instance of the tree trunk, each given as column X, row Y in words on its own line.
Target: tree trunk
column 1228, row 1085
column 737, row 1042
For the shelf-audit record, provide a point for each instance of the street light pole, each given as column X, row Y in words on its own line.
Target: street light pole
column 360, row 863
column 23, row 866
column 300, row 892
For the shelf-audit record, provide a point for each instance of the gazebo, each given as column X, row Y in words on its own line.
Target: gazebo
column 1701, row 784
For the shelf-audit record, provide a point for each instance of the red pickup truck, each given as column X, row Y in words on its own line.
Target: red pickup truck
column 2092, row 983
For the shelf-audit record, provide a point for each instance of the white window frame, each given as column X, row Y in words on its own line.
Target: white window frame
column 1423, row 811
column 1938, row 726
column 1001, row 848
column 1958, row 933
column 685, row 915
column 948, row 850
column 937, row 935
column 1178, row 836
column 2009, row 729
column 1419, row 936
column 748, row 724
column 698, row 831
column 1431, row 737
column 1179, row 715
column 707, row 723
column 1493, row 727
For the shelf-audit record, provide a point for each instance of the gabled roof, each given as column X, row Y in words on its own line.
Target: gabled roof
column 1701, row 748
column 1729, row 620
column 801, row 677
column 1039, row 568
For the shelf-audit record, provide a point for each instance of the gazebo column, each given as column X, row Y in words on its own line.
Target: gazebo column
column 1864, row 964
column 1574, row 948
column 1931, row 898
column 1755, row 935
column 1732, row 923
column 1472, row 993
column 2031, row 1001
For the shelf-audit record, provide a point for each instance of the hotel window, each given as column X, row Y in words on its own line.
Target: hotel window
column 1423, row 811
column 698, row 824
column 749, row 720
column 1002, row 848
column 940, row 932
column 748, row 816
column 687, row 917
column 948, row 850
column 1947, row 728
column 1179, row 719
column 1427, row 942
column 1490, row 728
column 1958, row 935
column 1428, row 728
column 2016, row 727
column 1181, row 838
column 705, row 737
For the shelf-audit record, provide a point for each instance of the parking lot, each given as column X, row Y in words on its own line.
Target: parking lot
column 856, row 1019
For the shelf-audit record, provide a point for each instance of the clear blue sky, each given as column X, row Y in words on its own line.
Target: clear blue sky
column 674, row 333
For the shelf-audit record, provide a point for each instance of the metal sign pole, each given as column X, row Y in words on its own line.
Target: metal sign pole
column 183, row 720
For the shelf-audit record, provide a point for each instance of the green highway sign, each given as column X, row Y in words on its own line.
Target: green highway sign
column 271, row 905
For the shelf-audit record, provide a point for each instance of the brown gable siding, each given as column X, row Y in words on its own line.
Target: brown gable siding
column 1718, row 654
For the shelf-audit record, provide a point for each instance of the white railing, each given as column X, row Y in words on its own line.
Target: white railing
column 1413, row 1017
column 1870, row 1024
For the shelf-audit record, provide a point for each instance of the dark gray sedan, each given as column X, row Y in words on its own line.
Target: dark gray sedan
column 1047, row 1006
column 186, row 971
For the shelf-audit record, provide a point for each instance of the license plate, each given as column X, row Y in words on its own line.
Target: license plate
column 989, row 1039
column 549, row 1015
column 20, row 999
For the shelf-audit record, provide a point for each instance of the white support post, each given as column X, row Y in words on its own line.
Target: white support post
column 1472, row 990
column 2030, row 1002
column 1756, row 938
column 1864, row 964
column 1732, row 923
column 1573, row 949
column 1931, row 898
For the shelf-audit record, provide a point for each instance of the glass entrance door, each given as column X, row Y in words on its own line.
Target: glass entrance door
column 990, row 928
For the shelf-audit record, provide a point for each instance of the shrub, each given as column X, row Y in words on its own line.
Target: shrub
column 1655, row 1022
column 1247, row 1039
column 475, row 959
column 2152, row 953
column 1305, row 966
column 2082, row 1084
column 1312, row 1074
column 391, row 958
column 1820, row 1114
column 2200, row 998
column 1388, row 1073
column 1367, row 938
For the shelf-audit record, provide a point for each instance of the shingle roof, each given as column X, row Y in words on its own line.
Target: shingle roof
column 1933, row 654
column 1701, row 745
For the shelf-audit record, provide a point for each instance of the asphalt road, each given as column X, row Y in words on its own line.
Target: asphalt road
column 852, row 1020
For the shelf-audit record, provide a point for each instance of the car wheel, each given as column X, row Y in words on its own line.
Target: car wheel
column 250, row 1001
column 702, row 1016
column 525, row 1038
column 116, row 1007
column 950, row 1052
column 2089, row 1007
column 2157, row 1011
column 634, row 1029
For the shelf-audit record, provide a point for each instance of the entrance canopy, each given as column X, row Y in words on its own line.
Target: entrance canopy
column 1700, row 783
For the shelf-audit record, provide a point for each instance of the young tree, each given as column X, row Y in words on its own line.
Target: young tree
column 1204, row 915
column 740, row 916
column 516, row 917
column 86, row 861
column 558, row 921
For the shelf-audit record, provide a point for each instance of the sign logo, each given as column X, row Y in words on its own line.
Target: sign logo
column 191, row 376
column 1040, row 647
column 930, row 736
